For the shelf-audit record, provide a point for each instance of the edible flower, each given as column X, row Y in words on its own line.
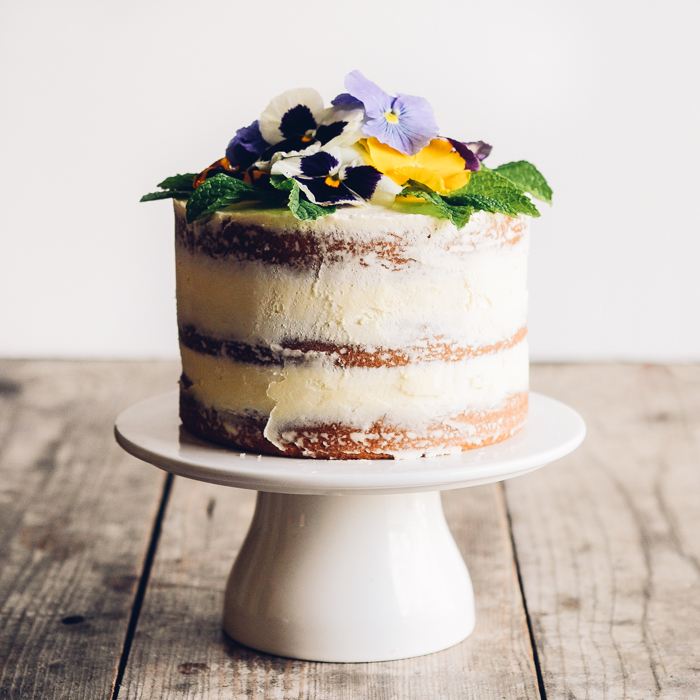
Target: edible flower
column 246, row 146
column 439, row 165
column 326, row 180
column 404, row 123
column 297, row 119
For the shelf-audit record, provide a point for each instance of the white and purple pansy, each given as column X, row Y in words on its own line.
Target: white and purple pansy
column 327, row 181
column 406, row 123
column 297, row 118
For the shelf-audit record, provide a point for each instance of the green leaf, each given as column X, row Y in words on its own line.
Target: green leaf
column 457, row 214
column 528, row 178
column 184, row 183
column 219, row 192
column 302, row 208
column 286, row 184
column 168, row 194
column 489, row 191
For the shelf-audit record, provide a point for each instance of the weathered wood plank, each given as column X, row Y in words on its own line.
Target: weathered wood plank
column 608, row 540
column 76, row 515
column 179, row 650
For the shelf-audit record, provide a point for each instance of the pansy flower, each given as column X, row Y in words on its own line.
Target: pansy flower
column 246, row 146
column 405, row 123
column 439, row 165
column 326, row 180
column 297, row 118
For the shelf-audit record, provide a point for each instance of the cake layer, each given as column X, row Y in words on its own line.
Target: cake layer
column 409, row 397
column 396, row 238
column 477, row 301
column 336, row 441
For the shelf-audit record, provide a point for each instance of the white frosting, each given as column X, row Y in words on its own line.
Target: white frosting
column 474, row 300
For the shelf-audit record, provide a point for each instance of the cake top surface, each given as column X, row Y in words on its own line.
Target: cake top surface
column 367, row 151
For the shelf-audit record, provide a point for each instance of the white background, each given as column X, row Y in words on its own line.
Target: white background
column 100, row 101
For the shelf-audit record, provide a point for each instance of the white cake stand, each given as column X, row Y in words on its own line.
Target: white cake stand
column 347, row 560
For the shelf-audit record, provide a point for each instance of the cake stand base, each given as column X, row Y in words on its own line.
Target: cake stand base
column 349, row 578
column 348, row 560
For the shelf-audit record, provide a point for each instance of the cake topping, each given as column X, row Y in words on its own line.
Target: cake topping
column 367, row 147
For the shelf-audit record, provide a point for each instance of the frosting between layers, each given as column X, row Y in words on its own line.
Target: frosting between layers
column 412, row 396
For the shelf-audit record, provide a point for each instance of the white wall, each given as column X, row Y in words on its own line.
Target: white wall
column 100, row 101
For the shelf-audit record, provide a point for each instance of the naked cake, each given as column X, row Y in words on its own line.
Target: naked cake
column 348, row 289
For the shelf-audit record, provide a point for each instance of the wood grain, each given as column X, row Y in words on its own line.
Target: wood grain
column 179, row 650
column 608, row 540
column 76, row 515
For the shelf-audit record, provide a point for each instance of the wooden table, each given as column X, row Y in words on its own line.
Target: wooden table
column 587, row 573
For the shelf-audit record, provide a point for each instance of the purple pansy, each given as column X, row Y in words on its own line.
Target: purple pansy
column 406, row 123
column 473, row 153
column 480, row 149
column 325, row 180
column 345, row 99
column 246, row 146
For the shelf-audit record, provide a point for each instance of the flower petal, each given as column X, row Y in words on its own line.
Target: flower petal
column 385, row 157
column 351, row 119
column 319, row 164
column 320, row 193
column 361, row 179
column 289, row 112
column 422, row 175
column 416, row 121
column 480, row 149
column 376, row 101
column 289, row 164
column 345, row 98
column 471, row 162
column 440, row 156
column 456, row 182
column 245, row 147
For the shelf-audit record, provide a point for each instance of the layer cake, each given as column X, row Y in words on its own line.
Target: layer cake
column 367, row 333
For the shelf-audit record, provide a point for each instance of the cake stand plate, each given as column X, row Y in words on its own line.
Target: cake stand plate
column 347, row 560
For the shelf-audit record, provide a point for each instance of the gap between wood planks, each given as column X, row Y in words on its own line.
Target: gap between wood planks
column 533, row 645
column 143, row 583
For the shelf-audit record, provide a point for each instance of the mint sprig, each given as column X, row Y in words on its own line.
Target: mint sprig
column 221, row 191
column 528, row 178
column 175, row 187
column 457, row 213
column 184, row 183
column 300, row 206
column 168, row 194
column 489, row 191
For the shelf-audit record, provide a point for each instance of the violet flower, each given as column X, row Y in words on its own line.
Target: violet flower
column 406, row 123
column 246, row 146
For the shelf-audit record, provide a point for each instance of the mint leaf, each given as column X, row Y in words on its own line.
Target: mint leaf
column 219, row 192
column 174, row 194
column 184, row 183
column 489, row 191
column 280, row 182
column 456, row 213
column 528, row 178
column 302, row 208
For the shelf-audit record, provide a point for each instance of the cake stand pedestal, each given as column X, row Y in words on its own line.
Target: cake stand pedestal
column 347, row 560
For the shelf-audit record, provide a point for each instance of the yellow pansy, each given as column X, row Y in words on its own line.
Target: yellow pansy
column 437, row 166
